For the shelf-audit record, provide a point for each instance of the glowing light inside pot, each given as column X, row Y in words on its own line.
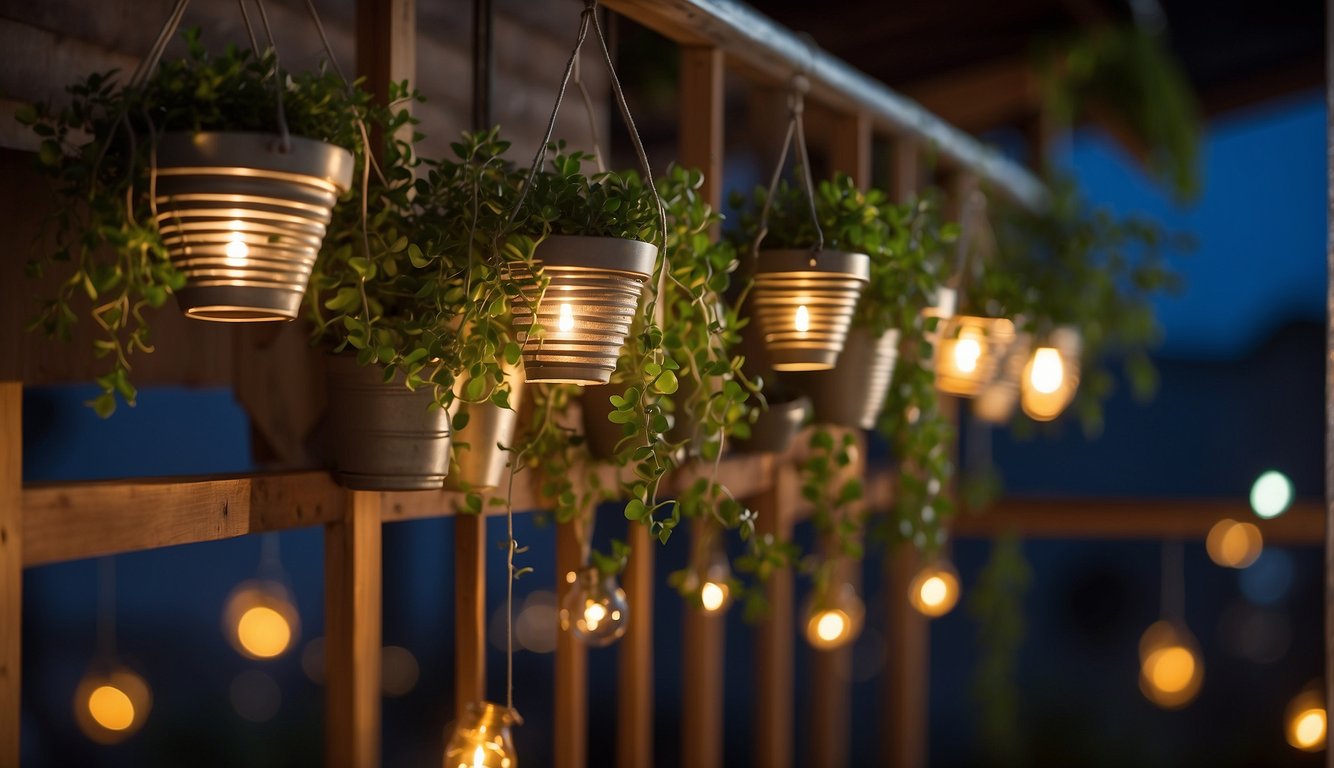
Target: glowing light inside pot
column 237, row 250
column 803, row 320
column 566, row 320
column 968, row 350
column 1048, row 372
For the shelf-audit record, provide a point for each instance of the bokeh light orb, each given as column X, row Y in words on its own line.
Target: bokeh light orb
column 1271, row 495
column 1234, row 544
column 1306, row 720
column 835, row 619
column 260, row 619
column 934, row 591
column 1171, row 668
column 110, row 706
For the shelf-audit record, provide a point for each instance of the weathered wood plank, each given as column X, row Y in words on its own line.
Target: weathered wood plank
column 352, row 609
column 634, row 722
column 774, row 649
column 905, row 725
column 571, row 705
column 469, row 611
column 11, row 567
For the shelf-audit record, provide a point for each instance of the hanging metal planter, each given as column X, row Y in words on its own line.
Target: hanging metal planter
column 853, row 395
column 243, row 219
column 1051, row 376
column 999, row 398
column 776, row 426
column 968, row 352
column 386, row 437
column 803, row 302
column 591, row 298
column 478, row 461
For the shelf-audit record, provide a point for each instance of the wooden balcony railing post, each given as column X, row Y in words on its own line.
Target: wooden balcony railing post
column 11, row 567
column 571, row 711
column 775, row 654
column 352, row 595
column 634, row 740
column 469, row 611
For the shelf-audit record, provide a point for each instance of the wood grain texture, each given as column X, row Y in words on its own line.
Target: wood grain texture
column 634, row 722
column 904, row 724
column 71, row 521
column 700, row 143
column 571, row 706
column 775, row 655
column 469, row 611
column 849, row 147
column 352, row 642
column 703, row 718
column 11, row 568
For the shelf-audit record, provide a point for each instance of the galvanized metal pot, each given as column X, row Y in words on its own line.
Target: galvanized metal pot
column 243, row 220
column 853, row 394
column 479, row 464
column 775, row 428
column 386, row 438
column 590, row 301
column 803, row 303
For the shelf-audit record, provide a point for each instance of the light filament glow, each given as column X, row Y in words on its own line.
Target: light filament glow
column 1048, row 372
column 712, row 596
column 566, row 320
column 803, row 320
column 831, row 626
column 967, row 350
column 237, row 250
column 594, row 613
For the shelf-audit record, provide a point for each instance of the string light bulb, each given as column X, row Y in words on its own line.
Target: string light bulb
column 110, row 706
column 1171, row 670
column 1234, row 544
column 1306, row 720
column 260, row 619
column 967, row 352
column 715, row 591
column 934, row 591
column 481, row 738
column 565, row 319
column 595, row 609
column 835, row 620
column 1051, row 375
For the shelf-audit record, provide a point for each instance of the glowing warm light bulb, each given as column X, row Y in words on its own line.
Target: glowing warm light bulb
column 713, row 596
column 237, row 251
column 1234, row 544
column 260, row 620
column 110, row 706
column 595, row 609
column 803, row 319
column 934, row 591
column 566, row 320
column 967, row 350
column 836, row 620
column 1271, row 494
column 1306, row 719
column 481, row 738
column 1171, row 671
column 1047, row 373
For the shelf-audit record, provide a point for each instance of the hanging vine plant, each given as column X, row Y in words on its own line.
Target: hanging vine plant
column 130, row 232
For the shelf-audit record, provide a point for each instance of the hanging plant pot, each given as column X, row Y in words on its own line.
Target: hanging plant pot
column 996, row 402
column 600, row 434
column 968, row 352
column 853, row 394
column 478, row 462
column 1051, row 376
column 243, row 220
column 590, row 301
column 778, row 425
column 386, row 437
column 803, row 303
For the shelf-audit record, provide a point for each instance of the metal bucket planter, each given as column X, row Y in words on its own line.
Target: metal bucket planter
column 386, row 438
column 478, row 463
column 243, row 220
column 853, row 394
column 998, row 398
column 776, row 427
column 590, row 301
column 803, row 303
column 968, row 351
column 1051, row 376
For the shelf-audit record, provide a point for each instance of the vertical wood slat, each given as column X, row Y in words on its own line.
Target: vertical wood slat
column 352, row 598
column 469, row 611
column 850, row 147
column 11, row 567
column 571, row 709
column 702, row 147
column 831, row 670
column 907, row 656
column 386, row 44
column 634, row 741
column 774, row 634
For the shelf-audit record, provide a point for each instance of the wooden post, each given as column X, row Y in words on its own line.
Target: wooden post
column 774, row 651
column 571, row 743
column 11, row 567
column 850, row 147
column 701, row 146
column 469, row 611
column 634, row 723
column 352, row 595
column 386, row 44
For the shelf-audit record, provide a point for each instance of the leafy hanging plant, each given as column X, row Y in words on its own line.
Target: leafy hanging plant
column 97, row 152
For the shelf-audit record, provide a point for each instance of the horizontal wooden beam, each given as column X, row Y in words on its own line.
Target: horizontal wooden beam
column 1086, row 518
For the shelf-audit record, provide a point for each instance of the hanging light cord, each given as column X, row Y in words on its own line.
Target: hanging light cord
column 592, row 119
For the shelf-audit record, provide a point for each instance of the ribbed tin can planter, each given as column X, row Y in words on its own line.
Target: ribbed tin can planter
column 775, row 428
column 803, row 303
column 590, row 301
column 968, row 350
column 243, row 220
column 479, row 464
column 996, row 401
column 852, row 394
column 386, row 438
column 1051, row 375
